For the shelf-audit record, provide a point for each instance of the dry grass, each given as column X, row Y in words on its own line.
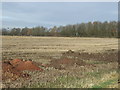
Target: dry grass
column 57, row 44
column 37, row 47
column 43, row 49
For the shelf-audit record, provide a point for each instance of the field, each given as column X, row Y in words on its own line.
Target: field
column 72, row 62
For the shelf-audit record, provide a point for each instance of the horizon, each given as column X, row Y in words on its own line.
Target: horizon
column 8, row 28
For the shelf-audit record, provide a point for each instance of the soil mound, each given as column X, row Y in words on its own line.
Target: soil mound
column 12, row 69
column 70, row 58
column 27, row 65
column 110, row 56
column 16, row 62
column 64, row 62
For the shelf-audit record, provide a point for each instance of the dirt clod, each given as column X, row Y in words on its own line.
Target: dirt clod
column 12, row 69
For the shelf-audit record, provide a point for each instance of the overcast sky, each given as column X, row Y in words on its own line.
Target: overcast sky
column 30, row 14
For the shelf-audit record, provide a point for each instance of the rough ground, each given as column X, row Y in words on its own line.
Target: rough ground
column 13, row 69
column 65, row 62
column 71, row 58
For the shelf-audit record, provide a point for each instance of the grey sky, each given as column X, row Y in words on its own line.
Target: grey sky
column 30, row 14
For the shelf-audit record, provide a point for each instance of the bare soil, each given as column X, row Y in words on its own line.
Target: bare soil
column 68, row 59
column 12, row 69
column 71, row 58
column 58, row 61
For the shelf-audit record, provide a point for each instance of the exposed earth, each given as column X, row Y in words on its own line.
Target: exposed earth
column 13, row 69
column 59, row 62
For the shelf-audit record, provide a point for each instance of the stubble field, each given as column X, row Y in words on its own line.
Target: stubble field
column 70, row 62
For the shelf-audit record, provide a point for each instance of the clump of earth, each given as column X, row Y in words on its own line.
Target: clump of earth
column 13, row 69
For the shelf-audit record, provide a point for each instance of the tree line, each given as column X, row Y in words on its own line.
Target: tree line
column 90, row 29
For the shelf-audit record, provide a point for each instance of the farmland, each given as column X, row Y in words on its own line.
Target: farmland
column 71, row 62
